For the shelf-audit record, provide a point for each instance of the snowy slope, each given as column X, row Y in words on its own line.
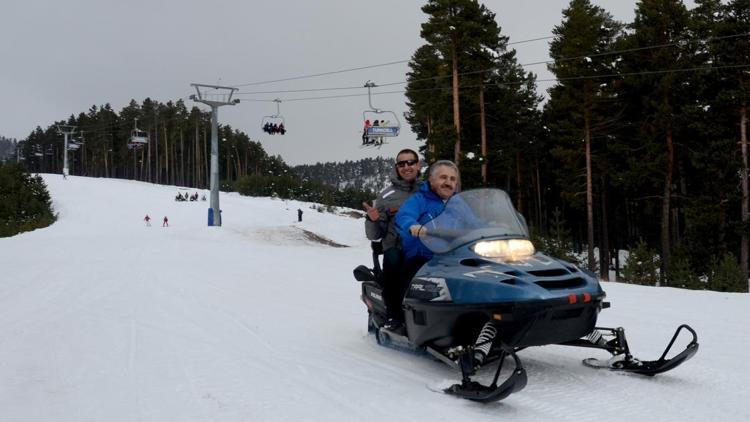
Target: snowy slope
column 104, row 319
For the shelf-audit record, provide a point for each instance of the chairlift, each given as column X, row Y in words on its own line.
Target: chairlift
column 75, row 144
column 37, row 150
column 138, row 137
column 383, row 123
column 274, row 119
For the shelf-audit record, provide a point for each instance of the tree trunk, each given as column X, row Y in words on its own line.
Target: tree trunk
column 539, row 219
column 148, row 162
column 166, row 155
column 483, row 124
column 456, row 114
column 589, row 195
column 604, row 244
column 156, row 151
column 197, row 157
column 519, row 183
column 745, row 204
column 665, row 207
column 182, row 159
column 206, row 159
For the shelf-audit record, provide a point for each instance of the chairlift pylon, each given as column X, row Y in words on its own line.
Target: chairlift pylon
column 138, row 137
column 275, row 119
column 379, row 123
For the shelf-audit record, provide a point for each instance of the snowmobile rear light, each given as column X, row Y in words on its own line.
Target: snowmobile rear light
column 504, row 249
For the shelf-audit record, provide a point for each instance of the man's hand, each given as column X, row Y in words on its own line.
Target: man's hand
column 372, row 212
column 417, row 230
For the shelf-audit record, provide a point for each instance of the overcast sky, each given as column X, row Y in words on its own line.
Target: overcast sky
column 61, row 57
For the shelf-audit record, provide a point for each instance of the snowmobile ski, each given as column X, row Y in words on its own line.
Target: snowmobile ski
column 474, row 391
column 623, row 361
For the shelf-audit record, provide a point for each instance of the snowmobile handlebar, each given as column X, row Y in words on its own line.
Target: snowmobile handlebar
column 440, row 233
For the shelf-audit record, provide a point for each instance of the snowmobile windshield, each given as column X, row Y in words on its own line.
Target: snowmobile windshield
column 473, row 215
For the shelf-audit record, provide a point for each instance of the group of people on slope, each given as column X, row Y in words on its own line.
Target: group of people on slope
column 397, row 218
column 164, row 222
column 186, row 197
column 274, row 129
column 373, row 140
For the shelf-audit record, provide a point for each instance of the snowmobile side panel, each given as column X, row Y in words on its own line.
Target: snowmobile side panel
column 519, row 324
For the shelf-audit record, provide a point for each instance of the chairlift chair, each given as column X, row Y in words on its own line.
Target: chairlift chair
column 274, row 119
column 391, row 125
column 138, row 137
column 75, row 144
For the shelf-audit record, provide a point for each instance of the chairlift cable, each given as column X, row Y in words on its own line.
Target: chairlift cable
column 649, row 72
column 708, row 39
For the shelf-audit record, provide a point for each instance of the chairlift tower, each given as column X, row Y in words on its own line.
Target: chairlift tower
column 220, row 96
column 66, row 130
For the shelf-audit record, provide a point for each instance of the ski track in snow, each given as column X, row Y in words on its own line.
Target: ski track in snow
column 102, row 318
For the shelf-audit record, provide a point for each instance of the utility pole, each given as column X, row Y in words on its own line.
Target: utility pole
column 66, row 130
column 221, row 96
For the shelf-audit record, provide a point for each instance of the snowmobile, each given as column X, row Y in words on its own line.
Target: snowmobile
column 487, row 294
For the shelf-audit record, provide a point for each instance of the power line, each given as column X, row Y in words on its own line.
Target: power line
column 608, row 53
column 365, row 67
column 710, row 39
column 613, row 75
column 323, row 74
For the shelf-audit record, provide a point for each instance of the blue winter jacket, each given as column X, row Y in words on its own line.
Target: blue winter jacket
column 421, row 207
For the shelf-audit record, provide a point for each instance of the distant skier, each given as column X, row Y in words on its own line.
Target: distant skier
column 299, row 215
column 147, row 219
column 165, row 223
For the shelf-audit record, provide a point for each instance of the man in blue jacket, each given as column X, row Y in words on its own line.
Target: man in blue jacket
column 427, row 203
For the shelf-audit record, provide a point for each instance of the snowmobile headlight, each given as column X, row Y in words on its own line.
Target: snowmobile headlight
column 433, row 289
column 505, row 249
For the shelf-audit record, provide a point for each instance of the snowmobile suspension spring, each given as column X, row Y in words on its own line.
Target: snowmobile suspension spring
column 484, row 342
column 595, row 337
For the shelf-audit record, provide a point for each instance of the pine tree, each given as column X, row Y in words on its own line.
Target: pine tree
column 656, row 95
column 459, row 30
column 579, row 104
column 732, row 50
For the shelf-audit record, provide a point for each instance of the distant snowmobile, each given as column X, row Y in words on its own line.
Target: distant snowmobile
column 487, row 294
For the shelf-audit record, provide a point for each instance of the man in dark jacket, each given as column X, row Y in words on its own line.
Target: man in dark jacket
column 379, row 226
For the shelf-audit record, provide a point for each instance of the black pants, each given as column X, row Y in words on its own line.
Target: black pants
column 397, row 275
column 393, row 289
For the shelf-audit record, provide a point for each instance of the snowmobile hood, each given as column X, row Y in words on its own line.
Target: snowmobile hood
column 474, row 280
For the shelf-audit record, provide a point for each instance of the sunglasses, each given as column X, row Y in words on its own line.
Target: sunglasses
column 404, row 163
